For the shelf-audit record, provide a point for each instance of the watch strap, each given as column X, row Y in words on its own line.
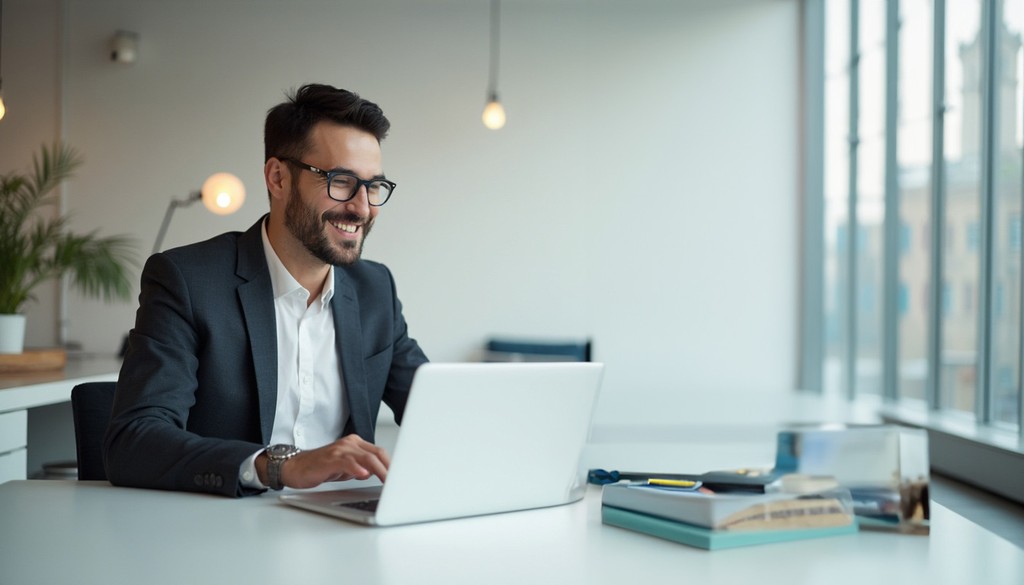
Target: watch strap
column 276, row 456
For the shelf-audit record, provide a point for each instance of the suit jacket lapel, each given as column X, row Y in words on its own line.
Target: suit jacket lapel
column 257, row 299
column 348, row 332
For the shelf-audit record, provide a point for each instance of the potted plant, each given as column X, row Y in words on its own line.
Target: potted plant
column 35, row 248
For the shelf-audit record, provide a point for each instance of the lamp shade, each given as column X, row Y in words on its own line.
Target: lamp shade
column 223, row 193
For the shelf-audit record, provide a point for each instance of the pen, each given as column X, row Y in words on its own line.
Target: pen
column 738, row 481
column 676, row 483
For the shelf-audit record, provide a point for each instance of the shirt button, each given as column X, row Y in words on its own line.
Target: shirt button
column 247, row 476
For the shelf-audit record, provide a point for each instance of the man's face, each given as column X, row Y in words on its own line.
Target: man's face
column 333, row 231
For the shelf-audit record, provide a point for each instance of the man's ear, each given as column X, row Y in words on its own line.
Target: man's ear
column 278, row 178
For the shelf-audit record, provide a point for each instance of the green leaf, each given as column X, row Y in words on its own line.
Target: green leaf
column 35, row 249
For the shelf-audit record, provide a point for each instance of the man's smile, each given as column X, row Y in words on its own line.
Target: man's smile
column 348, row 228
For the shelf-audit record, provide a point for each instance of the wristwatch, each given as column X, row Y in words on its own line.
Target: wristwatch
column 276, row 456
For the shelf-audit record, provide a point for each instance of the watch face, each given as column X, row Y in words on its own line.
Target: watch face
column 280, row 450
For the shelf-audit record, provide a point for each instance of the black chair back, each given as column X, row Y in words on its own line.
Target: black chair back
column 91, row 404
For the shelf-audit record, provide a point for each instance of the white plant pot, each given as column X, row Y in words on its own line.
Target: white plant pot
column 12, row 333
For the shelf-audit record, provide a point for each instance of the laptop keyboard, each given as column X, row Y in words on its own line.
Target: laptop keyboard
column 365, row 505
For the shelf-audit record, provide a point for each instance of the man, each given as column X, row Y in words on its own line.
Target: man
column 277, row 336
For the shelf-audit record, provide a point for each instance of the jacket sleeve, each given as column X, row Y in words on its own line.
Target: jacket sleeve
column 147, row 442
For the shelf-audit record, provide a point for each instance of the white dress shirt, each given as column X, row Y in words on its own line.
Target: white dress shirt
column 311, row 408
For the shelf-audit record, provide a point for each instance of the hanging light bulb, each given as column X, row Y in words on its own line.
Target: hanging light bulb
column 494, row 113
column 3, row 108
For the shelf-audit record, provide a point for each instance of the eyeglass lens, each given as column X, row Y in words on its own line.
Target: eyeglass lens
column 344, row 187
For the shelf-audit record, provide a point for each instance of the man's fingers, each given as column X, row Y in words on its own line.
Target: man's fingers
column 376, row 466
column 383, row 454
column 350, row 457
column 357, row 458
column 365, row 463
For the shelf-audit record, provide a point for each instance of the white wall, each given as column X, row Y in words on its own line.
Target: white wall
column 643, row 193
column 31, row 56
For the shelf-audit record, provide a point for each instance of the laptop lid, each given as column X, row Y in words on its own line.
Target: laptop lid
column 482, row 438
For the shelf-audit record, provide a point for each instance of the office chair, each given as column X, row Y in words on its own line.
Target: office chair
column 525, row 350
column 91, row 404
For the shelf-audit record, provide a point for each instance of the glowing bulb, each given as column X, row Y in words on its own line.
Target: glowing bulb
column 223, row 193
column 3, row 108
column 494, row 115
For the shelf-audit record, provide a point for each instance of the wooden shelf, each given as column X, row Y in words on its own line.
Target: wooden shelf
column 33, row 360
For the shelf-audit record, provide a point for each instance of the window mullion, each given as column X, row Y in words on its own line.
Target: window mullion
column 813, row 305
column 989, row 93
column 938, row 215
column 850, row 363
column 1020, row 330
column 890, row 245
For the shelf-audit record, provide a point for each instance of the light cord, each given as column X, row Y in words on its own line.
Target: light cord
column 492, row 85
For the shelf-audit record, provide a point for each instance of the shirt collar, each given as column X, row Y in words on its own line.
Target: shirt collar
column 283, row 282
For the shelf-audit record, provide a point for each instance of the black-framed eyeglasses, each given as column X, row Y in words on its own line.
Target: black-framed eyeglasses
column 343, row 185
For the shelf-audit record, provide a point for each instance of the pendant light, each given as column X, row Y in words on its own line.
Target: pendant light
column 3, row 108
column 494, row 114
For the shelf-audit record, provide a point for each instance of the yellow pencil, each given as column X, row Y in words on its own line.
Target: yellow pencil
column 680, row 483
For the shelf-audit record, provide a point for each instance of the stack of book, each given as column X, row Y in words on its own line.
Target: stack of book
column 698, row 517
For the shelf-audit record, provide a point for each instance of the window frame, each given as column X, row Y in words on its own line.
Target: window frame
column 964, row 443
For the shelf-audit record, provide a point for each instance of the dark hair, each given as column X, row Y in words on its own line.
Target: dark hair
column 286, row 131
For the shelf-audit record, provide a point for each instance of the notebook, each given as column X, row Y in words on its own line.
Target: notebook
column 479, row 438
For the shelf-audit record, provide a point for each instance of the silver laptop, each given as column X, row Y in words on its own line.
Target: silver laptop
column 479, row 438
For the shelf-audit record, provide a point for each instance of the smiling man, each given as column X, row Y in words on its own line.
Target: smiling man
column 260, row 358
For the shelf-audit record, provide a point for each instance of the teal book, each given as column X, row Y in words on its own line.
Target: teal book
column 712, row 539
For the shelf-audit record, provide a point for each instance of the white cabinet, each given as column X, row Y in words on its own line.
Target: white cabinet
column 13, row 445
column 21, row 392
column 13, row 465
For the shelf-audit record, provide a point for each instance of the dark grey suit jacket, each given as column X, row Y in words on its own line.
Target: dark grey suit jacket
column 198, row 388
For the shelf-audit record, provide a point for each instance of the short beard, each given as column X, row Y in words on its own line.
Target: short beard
column 310, row 229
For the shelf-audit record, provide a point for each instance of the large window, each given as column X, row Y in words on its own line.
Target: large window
column 1008, row 175
column 962, row 153
column 923, row 130
column 914, row 158
column 870, row 195
column 837, row 184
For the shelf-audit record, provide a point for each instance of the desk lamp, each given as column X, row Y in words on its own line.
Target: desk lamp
column 222, row 193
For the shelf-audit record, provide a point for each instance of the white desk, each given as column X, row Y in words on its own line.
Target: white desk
column 21, row 392
column 90, row 532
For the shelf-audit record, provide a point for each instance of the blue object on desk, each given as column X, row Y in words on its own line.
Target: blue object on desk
column 536, row 350
column 602, row 477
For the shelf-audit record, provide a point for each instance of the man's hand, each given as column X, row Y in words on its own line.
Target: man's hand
column 350, row 457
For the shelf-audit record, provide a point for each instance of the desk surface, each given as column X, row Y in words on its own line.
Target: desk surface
column 32, row 389
column 90, row 532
